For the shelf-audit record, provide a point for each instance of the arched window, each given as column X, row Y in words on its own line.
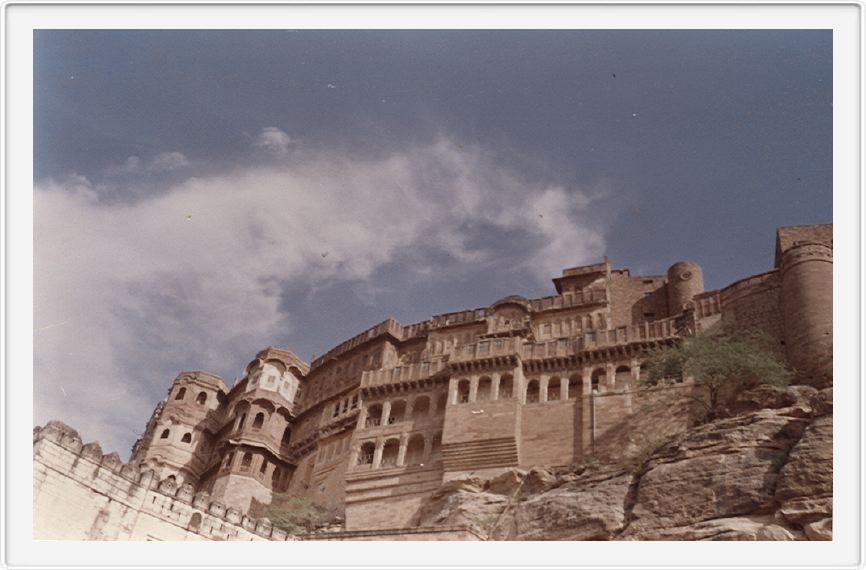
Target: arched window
column 194, row 522
column 365, row 457
column 390, row 452
column 553, row 390
column 506, row 387
column 415, row 450
column 420, row 407
column 398, row 412
column 264, row 466
column 259, row 421
column 532, row 392
column 276, row 476
column 598, row 376
column 241, row 421
column 181, row 394
column 441, row 403
column 201, row 399
column 246, row 461
column 287, row 435
column 374, row 415
column 463, row 387
column 187, row 438
column 622, row 378
column 164, row 434
column 484, row 389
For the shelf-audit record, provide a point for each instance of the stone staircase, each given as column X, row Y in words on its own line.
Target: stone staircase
column 470, row 455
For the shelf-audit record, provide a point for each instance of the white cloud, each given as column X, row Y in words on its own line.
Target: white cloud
column 126, row 292
column 134, row 166
column 273, row 141
column 168, row 161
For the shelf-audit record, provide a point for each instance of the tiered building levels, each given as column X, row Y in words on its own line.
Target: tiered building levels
column 377, row 423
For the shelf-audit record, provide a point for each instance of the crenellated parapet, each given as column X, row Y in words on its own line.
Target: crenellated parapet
column 162, row 509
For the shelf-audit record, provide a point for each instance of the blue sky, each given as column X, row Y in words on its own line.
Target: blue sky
column 203, row 194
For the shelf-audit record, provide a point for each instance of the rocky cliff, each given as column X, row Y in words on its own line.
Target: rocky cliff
column 765, row 472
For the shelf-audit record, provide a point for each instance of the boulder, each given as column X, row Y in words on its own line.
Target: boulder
column 507, row 482
column 591, row 508
column 734, row 528
column 720, row 470
column 804, row 491
column 819, row 530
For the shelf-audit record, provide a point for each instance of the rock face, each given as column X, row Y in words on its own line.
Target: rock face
column 764, row 474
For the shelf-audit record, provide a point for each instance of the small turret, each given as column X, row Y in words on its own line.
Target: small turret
column 685, row 280
column 807, row 310
column 179, row 436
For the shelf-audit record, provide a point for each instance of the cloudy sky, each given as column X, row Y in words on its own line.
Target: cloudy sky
column 200, row 195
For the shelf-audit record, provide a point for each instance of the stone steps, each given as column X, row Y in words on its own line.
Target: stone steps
column 470, row 455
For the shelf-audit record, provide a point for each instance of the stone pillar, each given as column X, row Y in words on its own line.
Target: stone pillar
column 494, row 387
column 610, row 377
column 401, row 454
column 587, row 380
column 362, row 418
column 543, row 379
column 428, row 448
column 473, row 389
column 386, row 413
column 563, row 386
column 635, row 373
column 353, row 457
column 377, row 454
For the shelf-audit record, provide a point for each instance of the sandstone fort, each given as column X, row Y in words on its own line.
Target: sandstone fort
column 378, row 425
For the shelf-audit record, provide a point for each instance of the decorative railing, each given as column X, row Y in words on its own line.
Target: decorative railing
column 654, row 330
column 407, row 373
column 389, row 326
column 491, row 348
column 707, row 304
column 573, row 299
column 458, row 318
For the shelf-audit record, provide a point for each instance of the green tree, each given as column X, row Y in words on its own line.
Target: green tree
column 724, row 362
column 297, row 515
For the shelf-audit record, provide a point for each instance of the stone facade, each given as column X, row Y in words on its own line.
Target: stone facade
column 377, row 424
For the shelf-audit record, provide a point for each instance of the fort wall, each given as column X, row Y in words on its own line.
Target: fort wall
column 81, row 494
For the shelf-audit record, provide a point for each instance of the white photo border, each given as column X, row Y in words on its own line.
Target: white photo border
column 19, row 19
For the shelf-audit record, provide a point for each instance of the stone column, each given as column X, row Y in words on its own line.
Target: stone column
column 610, row 377
column 401, row 454
column 473, row 389
column 386, row 413
column 377, row 454
column 586, row 376
column 428, row 448
column 353, row 457
column 543, row 379
column 494, row 387
column 362, row 418
column 635, row 373
column 563, row 385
